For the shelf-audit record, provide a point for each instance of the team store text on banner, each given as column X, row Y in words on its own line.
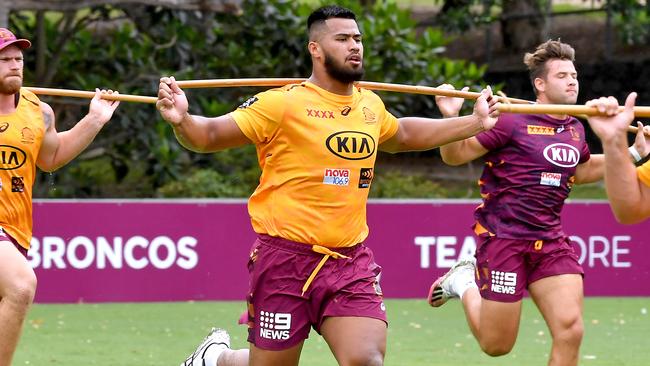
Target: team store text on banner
column 593, row 251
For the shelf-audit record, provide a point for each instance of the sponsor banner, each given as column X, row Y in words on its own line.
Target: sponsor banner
column 114, row 251
column 140, row 251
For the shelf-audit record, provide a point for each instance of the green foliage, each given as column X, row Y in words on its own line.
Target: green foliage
column 232, row 174
column 98, row 178
column 206, row 183
column 128, row 48
column 457, row 16
column 632, row 19
column 396, row 184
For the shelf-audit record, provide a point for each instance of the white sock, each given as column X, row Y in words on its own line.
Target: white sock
column 213, row 353
column 463, row 282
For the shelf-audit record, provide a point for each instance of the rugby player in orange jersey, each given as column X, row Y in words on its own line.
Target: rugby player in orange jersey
column 316, row 143
column 28, row 138
column 628, row 188
column 531, row 164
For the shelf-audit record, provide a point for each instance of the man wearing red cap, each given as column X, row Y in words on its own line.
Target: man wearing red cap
column 28, row 138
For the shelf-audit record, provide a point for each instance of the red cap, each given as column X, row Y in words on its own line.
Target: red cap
column 7, row 38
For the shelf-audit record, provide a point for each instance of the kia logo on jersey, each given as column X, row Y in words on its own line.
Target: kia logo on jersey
column 563, row 155
column 11, row 157
column 351, row 145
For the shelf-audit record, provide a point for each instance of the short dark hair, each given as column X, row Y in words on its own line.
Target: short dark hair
column 549, row 50
column 320, row 15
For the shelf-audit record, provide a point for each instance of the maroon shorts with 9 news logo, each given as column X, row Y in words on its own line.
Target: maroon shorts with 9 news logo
column 505, row 267
column 280, row 316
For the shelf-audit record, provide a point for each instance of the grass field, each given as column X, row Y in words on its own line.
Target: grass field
column 617, row 332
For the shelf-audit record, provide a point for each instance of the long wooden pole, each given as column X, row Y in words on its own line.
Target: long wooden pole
column 229, row 83
column 522, row 106
column 400, row 88
column 570, row 109
column 564, row 109
column 90, row 95
column 428, row 90
column 635, row 129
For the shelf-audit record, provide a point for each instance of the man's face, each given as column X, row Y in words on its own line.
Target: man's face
column 342, row 50
column 11, row 70
column 560, row 86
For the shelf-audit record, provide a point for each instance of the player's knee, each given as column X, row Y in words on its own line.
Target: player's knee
column 20, row 292
column 496, row 349
column 375, row 358
column 572, row 330
column 497, row 343
column 371, row 360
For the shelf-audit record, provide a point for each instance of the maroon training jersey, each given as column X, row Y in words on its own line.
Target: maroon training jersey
column 529, row 171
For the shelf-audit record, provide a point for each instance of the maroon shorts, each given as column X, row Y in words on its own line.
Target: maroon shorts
column 505, row 267
column 280, row 316
column 5, row 237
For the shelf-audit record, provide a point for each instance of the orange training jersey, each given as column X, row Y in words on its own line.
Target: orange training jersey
column 317, row 152
column 644, row 173
column 21, row 134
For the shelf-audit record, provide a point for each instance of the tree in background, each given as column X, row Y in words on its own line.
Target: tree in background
column 525, row 23
column 128, row 48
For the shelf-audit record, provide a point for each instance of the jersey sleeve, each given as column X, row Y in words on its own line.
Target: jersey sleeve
column 389, row 126
column 499, row 135
column 585, row 154
column 643, row 172
column 259, row 116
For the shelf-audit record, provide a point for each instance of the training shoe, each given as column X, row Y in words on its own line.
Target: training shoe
column 207, row 353
column 442, row 289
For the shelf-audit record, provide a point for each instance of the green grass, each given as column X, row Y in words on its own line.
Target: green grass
column 164, row 333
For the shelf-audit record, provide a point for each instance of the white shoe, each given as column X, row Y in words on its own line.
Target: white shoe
column 207, row 353
column 442, row 289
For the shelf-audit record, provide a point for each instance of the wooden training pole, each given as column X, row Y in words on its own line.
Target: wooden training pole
column 90, row 95
column 400, row 88
column 229, row 83
column 635, row 129
column 574, row 110
column 519, row 106
column 564, row 109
